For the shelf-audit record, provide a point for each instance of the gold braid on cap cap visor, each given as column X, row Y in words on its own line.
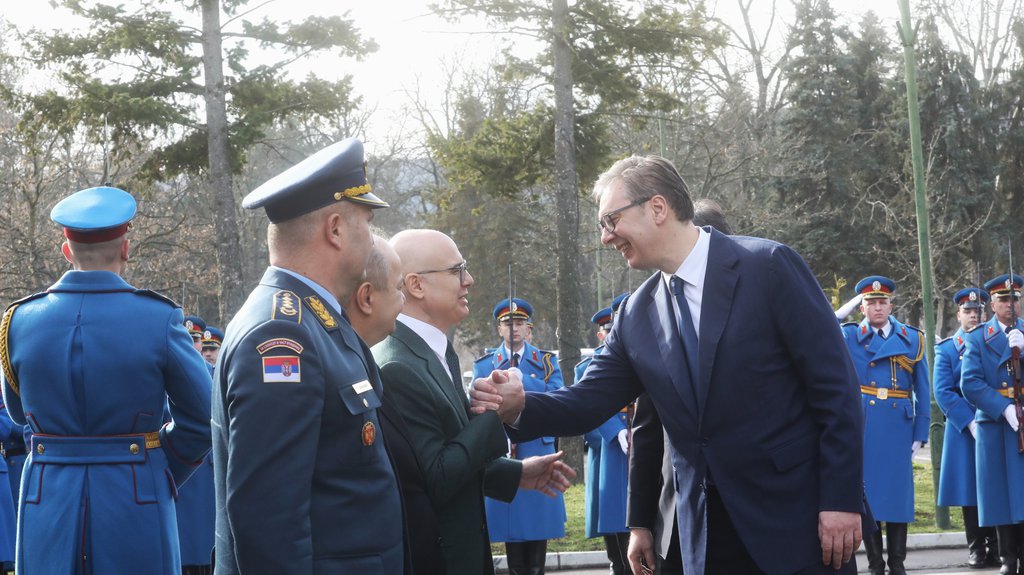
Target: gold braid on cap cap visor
column 353, row 192
column 5, row 355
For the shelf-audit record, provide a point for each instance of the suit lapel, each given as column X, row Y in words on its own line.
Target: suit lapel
column 716, row 304
column 436, row 371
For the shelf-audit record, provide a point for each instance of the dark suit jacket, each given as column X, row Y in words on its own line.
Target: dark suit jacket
column 651, row 502
column 459, row 454
column 774, row 417
column 423, row 532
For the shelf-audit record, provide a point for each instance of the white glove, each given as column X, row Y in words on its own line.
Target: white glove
column 1015, row 338
column 914, row 447
column 848, row 307
column 623, row 438
column 972, row 426
column 1010, row 413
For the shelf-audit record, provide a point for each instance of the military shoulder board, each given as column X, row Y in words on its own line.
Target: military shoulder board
column 286, row 306
column 158, row 296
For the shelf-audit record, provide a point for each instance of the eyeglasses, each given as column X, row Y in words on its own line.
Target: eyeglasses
column 608, row 221
column 459, row 268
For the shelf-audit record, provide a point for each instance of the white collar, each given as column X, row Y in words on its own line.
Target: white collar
column 695, row 266
column 435, row 338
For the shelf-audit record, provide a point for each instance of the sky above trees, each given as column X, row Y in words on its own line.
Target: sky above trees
column 418, row 48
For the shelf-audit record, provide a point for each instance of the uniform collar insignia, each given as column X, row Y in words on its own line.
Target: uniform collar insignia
column 321, row 312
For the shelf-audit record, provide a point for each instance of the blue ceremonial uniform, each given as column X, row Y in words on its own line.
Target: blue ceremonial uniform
column 196, row 508
column 531, row 515
column 8, row 502
column 14, row 454
column 986, row 382
column 605, row 497
column 304, row 484
column 957, row 483
column 105, row 502
column 889, row 370
column 88, row 365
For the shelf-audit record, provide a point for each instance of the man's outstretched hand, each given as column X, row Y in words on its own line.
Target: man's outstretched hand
column 547, row 474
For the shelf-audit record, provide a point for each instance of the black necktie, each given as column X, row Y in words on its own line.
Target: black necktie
column 686, row 330
column 515, row 359
column 1008, row 328
column 881, row 333
column 452, row 359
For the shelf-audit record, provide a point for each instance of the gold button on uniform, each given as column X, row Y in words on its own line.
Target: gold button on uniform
column 40, row 449
column 872, row 364
column 872, row 402
column 134, row 448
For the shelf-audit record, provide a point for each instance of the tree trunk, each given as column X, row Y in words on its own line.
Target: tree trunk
column 230, row 292
column 569, row 331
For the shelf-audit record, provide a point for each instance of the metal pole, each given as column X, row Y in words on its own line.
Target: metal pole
column 907, row 36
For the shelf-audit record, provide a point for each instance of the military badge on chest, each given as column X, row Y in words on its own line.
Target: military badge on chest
column 369, row 433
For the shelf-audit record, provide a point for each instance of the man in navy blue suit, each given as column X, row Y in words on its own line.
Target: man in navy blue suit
column 740, row 352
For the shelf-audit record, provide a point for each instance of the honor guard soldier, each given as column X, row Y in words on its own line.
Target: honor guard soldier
column 987, row 382
column 889, row 359
column 212, row 339
column 195, row 326
column 196, row 510
column 14, row 453
column 303, row 481
column 607, row 452
column 958, row 485
column 97, row 495
column 531, row 518
column 8, row 492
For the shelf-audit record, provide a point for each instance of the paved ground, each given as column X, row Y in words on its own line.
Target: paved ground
column 922, row 562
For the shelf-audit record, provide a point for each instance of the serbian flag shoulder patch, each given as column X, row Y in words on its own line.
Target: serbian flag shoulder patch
column 281, row 369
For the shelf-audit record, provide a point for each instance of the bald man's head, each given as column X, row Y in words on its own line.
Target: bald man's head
column 436, row 279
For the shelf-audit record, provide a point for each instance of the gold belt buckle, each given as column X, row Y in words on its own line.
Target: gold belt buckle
column 883, row 393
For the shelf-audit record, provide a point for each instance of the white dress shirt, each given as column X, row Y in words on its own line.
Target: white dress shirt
column 692, row 272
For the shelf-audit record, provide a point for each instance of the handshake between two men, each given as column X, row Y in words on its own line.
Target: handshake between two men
column 503, row 392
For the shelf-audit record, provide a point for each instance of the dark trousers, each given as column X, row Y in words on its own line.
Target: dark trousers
column 981, row 541
column 725, row 551
column 616, row 546
column 526, row 557
column 672, row 562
